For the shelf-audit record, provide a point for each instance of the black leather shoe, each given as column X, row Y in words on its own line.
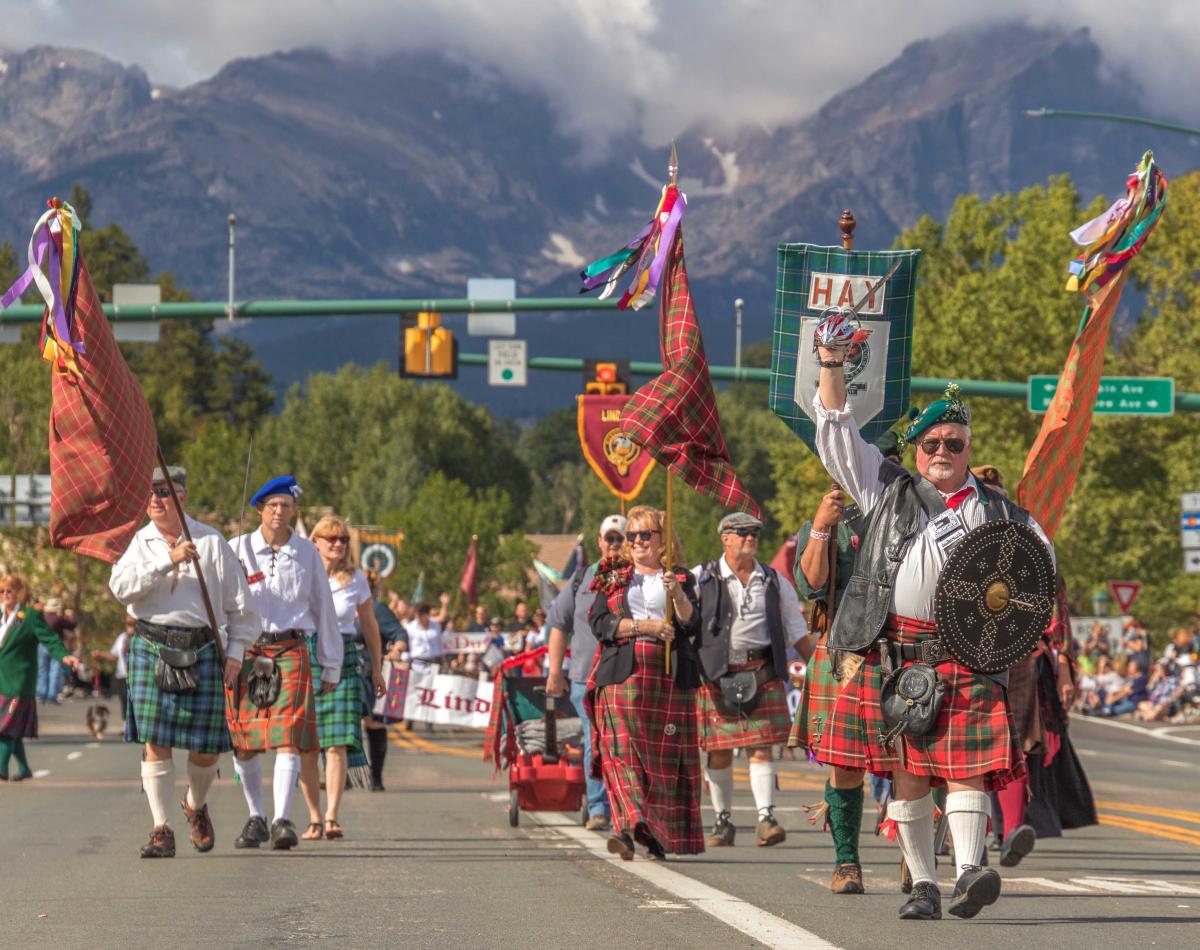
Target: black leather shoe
column 924, row 904
column 254, row 833
column 976, row 888
column 723, row 833
column 1016, row 846
column 283, row 835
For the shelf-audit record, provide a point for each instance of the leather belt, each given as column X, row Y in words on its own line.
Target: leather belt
column 741, row 657
column 280, row 635
column 927, row 651
column 176, row 638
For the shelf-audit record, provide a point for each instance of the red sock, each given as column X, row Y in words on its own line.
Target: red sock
column 1012, row 804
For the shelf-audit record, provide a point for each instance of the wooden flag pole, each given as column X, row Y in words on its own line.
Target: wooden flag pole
column 208, row 607
column 668, row 557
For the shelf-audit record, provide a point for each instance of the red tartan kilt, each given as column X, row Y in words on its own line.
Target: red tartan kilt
column 292, row 719
column 768, row 725
column 816, row 702
column 974, row 734
column 18, row 717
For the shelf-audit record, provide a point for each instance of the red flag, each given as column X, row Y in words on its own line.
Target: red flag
column 1052, row 465
column 674, row 416
column 619, row 462
column 784, row 561
column 102, row 436
column 468, row 584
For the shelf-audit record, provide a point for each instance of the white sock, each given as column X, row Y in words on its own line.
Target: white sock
column 200, row 779
column 287, row 771
column 914, row 827
column 720, row 787
column 968, row 814
column 158, row 781
column 250, row 774
column 762, row 785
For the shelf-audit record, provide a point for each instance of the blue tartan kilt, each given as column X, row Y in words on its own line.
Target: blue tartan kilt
column 194, row 721
column 340, row 712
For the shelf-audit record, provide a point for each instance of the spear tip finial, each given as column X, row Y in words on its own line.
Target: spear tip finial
column 673, row 165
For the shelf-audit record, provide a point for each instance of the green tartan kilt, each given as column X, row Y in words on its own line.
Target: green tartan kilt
column 340, row 711
column 816, row 702
column 194, row 721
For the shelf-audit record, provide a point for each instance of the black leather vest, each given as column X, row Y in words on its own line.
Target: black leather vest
column 716, row 622
column 890, row 529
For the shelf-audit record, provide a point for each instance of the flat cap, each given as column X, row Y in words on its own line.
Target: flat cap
column 175, row 473
column 737, row 519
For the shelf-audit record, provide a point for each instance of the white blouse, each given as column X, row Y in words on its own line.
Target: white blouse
column 346, row 601
column 647, row 596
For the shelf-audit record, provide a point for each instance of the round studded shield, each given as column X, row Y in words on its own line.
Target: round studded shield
column 995, row 596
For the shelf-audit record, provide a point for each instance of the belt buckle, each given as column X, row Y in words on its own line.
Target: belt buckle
column 932, row 651
column 739, row 657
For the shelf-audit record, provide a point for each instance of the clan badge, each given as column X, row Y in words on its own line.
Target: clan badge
column 620, row 462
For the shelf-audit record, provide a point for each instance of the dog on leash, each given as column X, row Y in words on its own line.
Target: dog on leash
column 97, row 719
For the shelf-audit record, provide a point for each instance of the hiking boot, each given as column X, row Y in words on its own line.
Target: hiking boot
column 975, row 889
column 1016, row 846
column 161, row 844
column 769, row 831
column 200, row 828
column 621, row 845
column 847, row 879
column 723, row 832
column 597, row 823
column 283, row 835
column 254, row 833
column 925, row 903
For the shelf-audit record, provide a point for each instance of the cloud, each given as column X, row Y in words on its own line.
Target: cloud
column 615, row 66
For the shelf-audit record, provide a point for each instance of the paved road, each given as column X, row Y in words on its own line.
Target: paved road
column 433, row 863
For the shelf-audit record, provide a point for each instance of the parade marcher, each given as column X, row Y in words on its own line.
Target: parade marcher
column 569, row 622
column 391, row 642
column 828, row 556
column 50, row 670
column 273, row 704
column 22, row 631
column 887, row 617
column 176, row 699
column 644, row 733
column 340, row 711
column 749, row 618
column 119, row 655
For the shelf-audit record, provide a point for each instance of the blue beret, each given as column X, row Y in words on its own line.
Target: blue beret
column 283, row 485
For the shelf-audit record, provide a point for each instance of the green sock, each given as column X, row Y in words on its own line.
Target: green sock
column 845, row 820
column 19, row 752
column 6, row 749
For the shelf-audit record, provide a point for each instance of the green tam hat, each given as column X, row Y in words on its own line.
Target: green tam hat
column 950, row 408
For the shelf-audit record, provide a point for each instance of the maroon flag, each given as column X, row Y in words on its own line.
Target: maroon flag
column 619, row 462
column 784, row 561
column 469, row 582
column 674, row 416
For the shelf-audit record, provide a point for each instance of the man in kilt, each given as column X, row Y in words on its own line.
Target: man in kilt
column 273, row 705
column 156, row 579
column 749, row 616
column 886, row 618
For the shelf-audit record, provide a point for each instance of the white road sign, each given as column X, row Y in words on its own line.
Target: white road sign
column 1191, row 562
column 1191, row 501
column 491, row 324
column 507, row 362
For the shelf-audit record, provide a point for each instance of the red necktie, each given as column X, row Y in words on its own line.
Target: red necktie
column 959, row 497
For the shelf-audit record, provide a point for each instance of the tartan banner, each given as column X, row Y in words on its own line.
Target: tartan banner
column 674, row 416
column 617, row 460
column 1052, row 466
column 810, row 280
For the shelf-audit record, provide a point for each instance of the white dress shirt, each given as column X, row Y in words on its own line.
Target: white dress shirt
column 749, row 630
column 7, row 622
column 291, row 591
column 854, row 464
column 647, row 596
column 424, row 643
column 157, row 591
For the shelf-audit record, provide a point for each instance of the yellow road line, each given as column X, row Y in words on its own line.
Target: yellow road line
column 1154, row 828
column 406, row 740
column 1192, row 817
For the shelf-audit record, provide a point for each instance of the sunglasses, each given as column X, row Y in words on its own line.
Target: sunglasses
column 335, row 538
column 614, row 538
column 9, row 590
column 745, row 532
column 643, row 536
column 953, row 446
column 161, row 492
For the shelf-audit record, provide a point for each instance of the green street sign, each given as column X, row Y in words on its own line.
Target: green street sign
column 1117, row 395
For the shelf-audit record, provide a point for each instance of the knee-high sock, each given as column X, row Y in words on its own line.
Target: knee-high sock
column 6, row 751
column 158, row 780
column 200, row 779
column 1012, row 804
column 845, row 821
column 250, row 774
column 914, row 827
column 762, row 785
column 720, row 788
column 19, row 752
column 287, row 770
column 377, row 746
column 968, row 814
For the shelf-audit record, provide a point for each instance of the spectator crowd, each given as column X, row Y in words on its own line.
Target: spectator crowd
column 1131, row 681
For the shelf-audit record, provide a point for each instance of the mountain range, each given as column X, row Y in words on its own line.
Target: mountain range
column 404, row 176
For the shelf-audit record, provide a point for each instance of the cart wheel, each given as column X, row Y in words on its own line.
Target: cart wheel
column 514, row 813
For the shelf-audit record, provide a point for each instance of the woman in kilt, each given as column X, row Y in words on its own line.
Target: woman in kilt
column 22, row 628
column 644, row 730
column 341, row 710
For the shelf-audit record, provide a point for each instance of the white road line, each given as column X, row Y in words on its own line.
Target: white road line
column 1049, row 884
column 1143, row 731
column 1126, row 885
column 741, row 915
column 40, row 773
column 1178, row 764
column 72, row 756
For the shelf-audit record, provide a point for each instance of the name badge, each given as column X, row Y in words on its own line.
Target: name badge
column 948, row 530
